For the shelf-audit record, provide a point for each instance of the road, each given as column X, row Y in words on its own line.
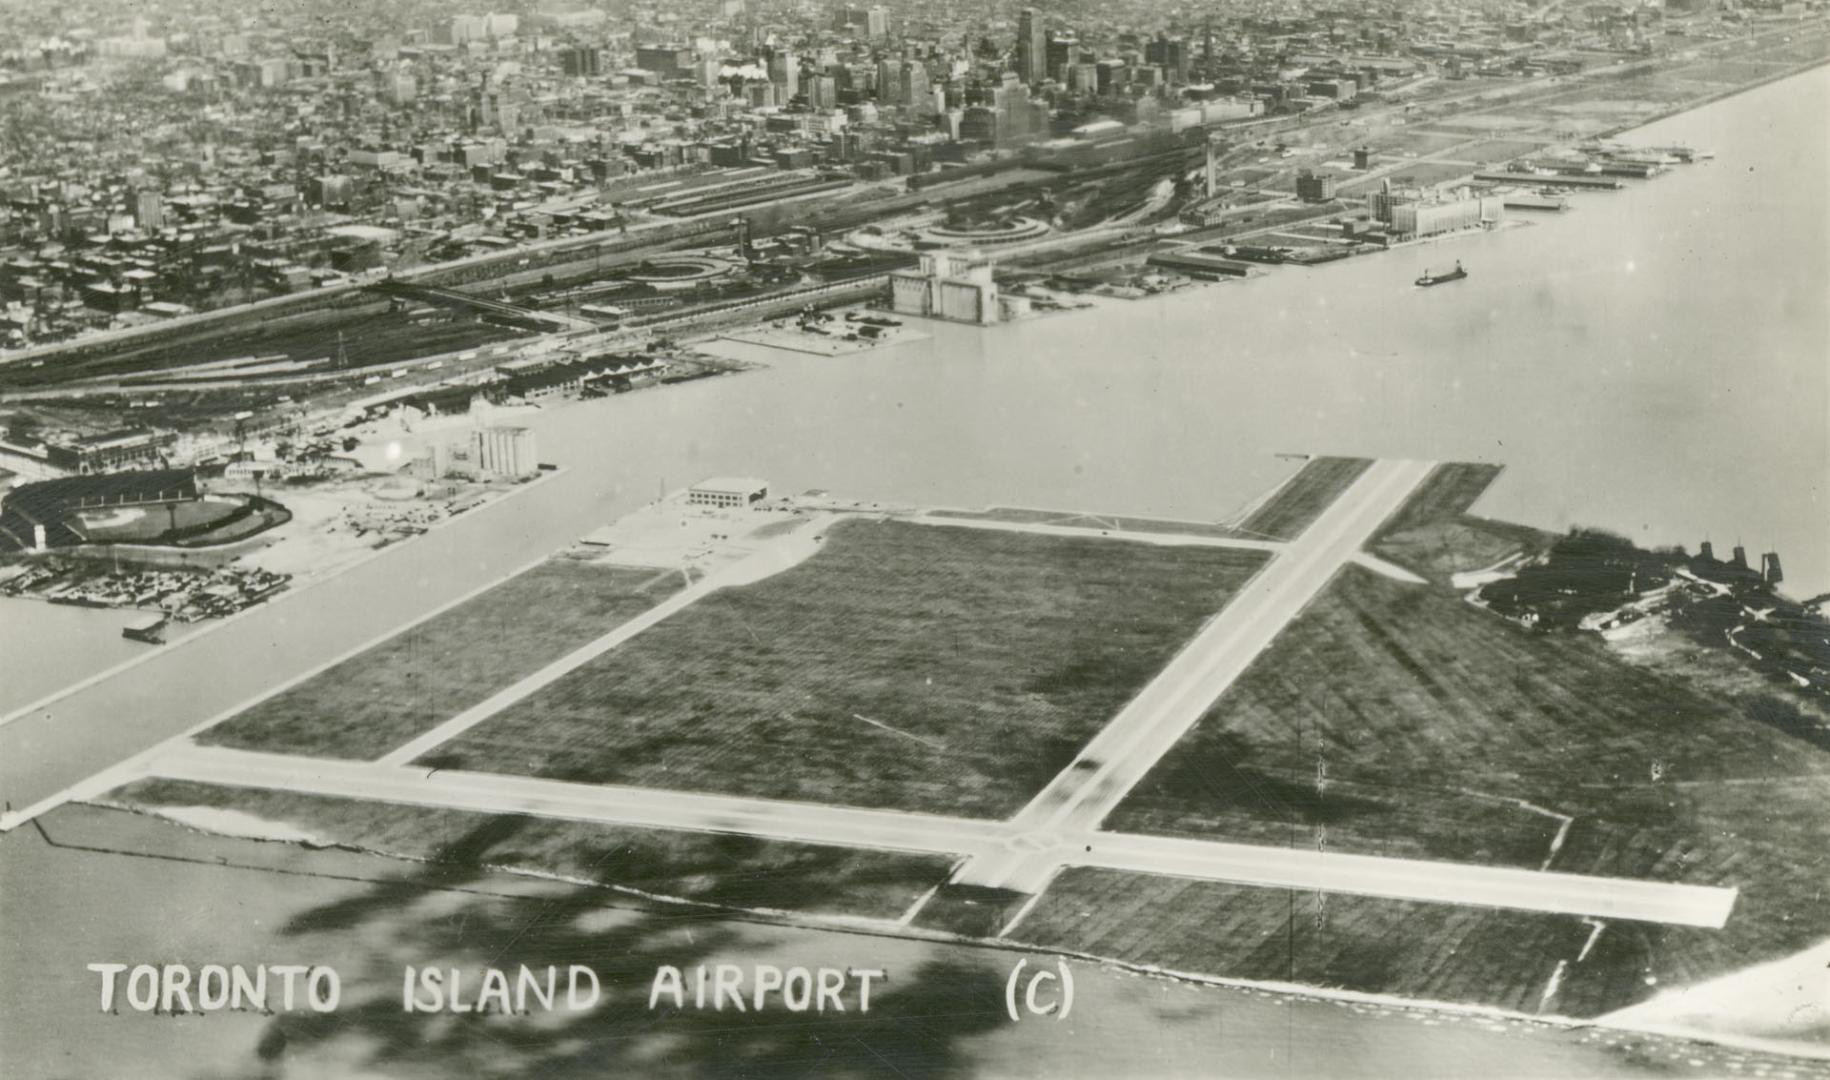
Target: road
column 1081, row 796
column 810, row 823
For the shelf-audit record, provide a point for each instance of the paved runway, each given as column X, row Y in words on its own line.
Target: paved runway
column 1059, row 828
column 810, row 823
column 1114, row 761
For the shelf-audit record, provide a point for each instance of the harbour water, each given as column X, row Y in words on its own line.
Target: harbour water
column 1654, row 362
column 45, row 647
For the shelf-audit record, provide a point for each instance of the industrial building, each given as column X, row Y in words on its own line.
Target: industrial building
column 1207, row 264
column 1413, row 214
column 956, row 285
column 1414, row 220
column 505, row 452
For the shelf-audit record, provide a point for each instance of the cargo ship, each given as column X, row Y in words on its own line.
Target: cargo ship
column 1442, row 279
column 1535, row 200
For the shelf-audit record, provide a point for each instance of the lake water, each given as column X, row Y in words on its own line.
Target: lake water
column 201, row 900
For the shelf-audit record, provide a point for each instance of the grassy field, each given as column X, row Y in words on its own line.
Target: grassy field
column 1300, row 501
column 733, row 871
column 906, row 666
column 379, row 699
column 1425, row 714
column 1092, row 522
column 969, row 910
column 1434, row 535
column 1496, row 150
column 1462, row 954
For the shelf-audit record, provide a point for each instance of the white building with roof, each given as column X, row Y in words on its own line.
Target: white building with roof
column 728, row 492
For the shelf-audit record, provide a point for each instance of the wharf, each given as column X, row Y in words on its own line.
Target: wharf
column 1603, row 183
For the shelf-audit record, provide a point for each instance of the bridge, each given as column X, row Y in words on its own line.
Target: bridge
column 501, row 310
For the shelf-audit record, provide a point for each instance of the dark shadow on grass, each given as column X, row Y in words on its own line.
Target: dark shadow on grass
column 914, row 1026
column 1216, row 780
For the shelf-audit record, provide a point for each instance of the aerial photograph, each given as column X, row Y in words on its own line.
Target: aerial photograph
column 822, row 538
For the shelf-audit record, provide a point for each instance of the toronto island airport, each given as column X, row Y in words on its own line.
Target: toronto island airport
column 749, row 539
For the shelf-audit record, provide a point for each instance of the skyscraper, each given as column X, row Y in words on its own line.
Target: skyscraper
column 785, row 73
column 889, row 81
column 1032, row 46
column 916, row 91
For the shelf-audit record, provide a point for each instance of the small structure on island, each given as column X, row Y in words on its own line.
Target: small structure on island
column 728, row 492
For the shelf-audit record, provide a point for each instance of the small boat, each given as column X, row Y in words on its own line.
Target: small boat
column 1443, row 279
column 150, row 630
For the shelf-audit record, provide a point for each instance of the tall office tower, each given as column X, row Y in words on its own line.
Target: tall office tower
column 1062, row 49
column 1032, row 46
column 1171, row 54
column 582, row 61
column 823, row 92
column 889, row 82
column 915, row 89
column 877, row 23
column 785, row 73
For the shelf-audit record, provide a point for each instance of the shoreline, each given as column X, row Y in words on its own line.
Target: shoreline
column 864, row 926
column 1710, row 99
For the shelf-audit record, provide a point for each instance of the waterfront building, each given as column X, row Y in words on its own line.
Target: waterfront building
column 954, row 285
column 1419, row 219
column 507, row 452
column 728, row 492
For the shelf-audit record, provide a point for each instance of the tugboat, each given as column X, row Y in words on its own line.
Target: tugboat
column 1443, row 279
